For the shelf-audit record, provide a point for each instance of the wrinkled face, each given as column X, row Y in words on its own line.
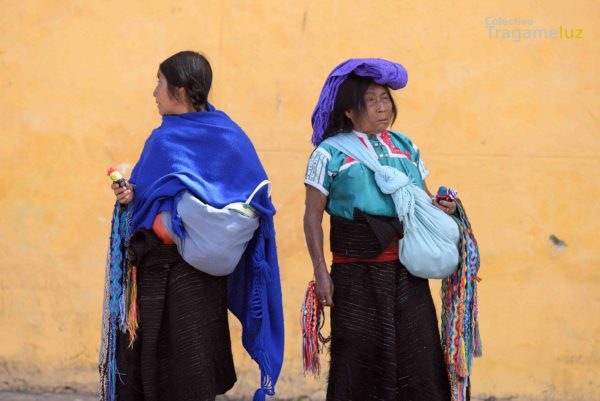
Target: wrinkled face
column 377, row 115
column 165, row 102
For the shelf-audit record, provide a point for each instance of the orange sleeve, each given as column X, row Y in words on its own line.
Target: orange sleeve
column 161, row 232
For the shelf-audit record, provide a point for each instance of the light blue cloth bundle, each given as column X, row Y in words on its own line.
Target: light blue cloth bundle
column 429, row 248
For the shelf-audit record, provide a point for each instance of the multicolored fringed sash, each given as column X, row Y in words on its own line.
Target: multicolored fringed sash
column 312, row 319
column 460, row 321
column 120, row 308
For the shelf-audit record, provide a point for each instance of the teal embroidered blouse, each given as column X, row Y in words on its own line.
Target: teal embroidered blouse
column 348, row 184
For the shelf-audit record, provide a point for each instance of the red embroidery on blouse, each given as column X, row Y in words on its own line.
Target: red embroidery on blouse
column 385, row 138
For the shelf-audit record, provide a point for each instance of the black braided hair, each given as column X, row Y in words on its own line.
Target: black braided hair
column 189, row 70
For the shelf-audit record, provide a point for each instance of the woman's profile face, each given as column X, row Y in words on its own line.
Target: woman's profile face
column 165, row 102
column 377, row 114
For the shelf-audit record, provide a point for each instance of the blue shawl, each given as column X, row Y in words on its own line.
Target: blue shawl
column 209, row 155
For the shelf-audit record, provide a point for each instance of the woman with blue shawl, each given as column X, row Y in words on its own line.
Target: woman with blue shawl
column 165, row 329
column 385, row 343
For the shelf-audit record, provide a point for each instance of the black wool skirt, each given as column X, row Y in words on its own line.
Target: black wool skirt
column 183, row 347
column 385, row 342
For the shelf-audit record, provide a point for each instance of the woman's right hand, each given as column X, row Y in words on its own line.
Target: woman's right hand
column 324, row 288
column 124, row 194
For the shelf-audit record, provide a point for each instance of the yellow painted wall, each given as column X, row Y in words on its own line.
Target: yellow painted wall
column 514, row 125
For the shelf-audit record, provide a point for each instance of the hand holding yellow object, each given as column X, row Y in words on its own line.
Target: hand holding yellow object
column 123, row 190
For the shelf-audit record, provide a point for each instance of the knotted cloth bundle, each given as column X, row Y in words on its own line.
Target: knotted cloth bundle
column 429, row 248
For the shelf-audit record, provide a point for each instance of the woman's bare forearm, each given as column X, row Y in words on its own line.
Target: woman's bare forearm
column 313, row 231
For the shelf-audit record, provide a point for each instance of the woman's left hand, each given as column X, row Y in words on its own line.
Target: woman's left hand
column 448, row 207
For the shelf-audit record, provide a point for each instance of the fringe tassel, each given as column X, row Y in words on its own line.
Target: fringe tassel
column 262, row 271
column 461, row 339
column 132, row 304
column 117, row 320
column 312, row 319
column 259, row 395
column 265, row 378
column 123, row 305
column 111, row 380
column 257, row 307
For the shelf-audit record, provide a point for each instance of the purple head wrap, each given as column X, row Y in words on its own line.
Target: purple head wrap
column 382, row 71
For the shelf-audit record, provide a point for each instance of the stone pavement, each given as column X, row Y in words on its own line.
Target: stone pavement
column 4, row 396
column 10, row 396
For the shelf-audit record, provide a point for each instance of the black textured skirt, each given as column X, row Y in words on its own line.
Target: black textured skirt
column 385, row 338
column 183, row 348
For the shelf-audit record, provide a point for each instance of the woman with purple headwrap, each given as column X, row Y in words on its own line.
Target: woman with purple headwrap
column 385, row 339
